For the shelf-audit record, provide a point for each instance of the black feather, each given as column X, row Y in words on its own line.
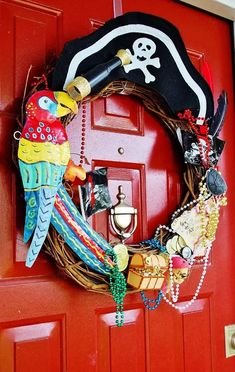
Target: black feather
column 218, row 119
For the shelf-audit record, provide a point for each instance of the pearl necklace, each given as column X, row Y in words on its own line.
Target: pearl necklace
column 208, row 235
column 174, row 299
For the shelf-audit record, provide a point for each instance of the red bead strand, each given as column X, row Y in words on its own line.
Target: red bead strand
column 201, row 131
column 83, row 134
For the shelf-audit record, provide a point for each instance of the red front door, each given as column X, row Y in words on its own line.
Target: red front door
column 47, row 322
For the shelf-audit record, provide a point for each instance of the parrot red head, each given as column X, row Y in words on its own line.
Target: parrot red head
column 42, row 112
column 46, row 105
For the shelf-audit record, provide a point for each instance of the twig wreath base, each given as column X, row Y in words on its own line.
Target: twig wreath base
column 66, row 261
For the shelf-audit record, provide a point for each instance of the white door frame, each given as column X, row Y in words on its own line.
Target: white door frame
column 223, row 8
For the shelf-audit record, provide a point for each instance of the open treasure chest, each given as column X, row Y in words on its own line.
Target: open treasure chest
column 147, row 271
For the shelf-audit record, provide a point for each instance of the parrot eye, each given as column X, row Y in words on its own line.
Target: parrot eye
column 45, row 102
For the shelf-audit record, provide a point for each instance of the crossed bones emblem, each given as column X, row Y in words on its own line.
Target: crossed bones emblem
column 143, row 49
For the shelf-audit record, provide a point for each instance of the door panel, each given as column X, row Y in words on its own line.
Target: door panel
column 35, row 30
column 47, row 322
column 119, row 114
column 25, row 27
column 41, row 340
column 111, row 354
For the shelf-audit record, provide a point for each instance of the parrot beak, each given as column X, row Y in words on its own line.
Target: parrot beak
column 65, row 104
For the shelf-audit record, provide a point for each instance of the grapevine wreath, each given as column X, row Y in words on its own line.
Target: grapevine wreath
column 142, row 55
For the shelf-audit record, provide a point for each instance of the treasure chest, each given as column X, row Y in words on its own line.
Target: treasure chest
column 147, row 271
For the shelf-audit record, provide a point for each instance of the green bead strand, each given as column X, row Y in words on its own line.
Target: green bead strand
column 117, row 287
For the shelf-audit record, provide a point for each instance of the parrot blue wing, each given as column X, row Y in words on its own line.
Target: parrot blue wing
column 46, row 203
column 34, row 176
column 31, row 198
column 41, row 181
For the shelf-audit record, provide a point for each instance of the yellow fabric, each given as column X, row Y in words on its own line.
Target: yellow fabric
column 32, row 152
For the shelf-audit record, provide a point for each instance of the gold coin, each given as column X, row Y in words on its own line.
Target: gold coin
column 171, row 245
column 174, row 242
column 122, row 256
column 181, row 242
column 168, row 246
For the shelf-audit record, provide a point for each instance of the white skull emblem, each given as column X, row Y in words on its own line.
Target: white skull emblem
column 144, row 49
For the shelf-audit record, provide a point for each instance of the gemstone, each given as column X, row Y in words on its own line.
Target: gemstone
column 215, row 182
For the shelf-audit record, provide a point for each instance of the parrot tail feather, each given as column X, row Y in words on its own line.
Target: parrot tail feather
column 78, row 234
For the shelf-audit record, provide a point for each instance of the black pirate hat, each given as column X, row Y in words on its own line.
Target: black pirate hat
column 159, row 61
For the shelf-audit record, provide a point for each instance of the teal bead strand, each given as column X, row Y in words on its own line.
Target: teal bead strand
column 151, row 304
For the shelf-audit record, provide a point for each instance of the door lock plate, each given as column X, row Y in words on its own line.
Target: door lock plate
column 229, row 333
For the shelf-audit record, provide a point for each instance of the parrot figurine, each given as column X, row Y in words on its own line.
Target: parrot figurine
column 43, row 156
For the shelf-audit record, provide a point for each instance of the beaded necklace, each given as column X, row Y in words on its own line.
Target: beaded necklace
column 116, row 278
column 205, row 206
column 207, row 227
column 83, row 134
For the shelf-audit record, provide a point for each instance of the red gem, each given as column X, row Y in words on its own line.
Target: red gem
column 203, row 129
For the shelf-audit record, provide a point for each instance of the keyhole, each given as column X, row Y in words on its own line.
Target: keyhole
column 121, row 150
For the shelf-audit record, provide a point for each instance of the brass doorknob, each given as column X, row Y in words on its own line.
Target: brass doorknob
column 233, row 341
